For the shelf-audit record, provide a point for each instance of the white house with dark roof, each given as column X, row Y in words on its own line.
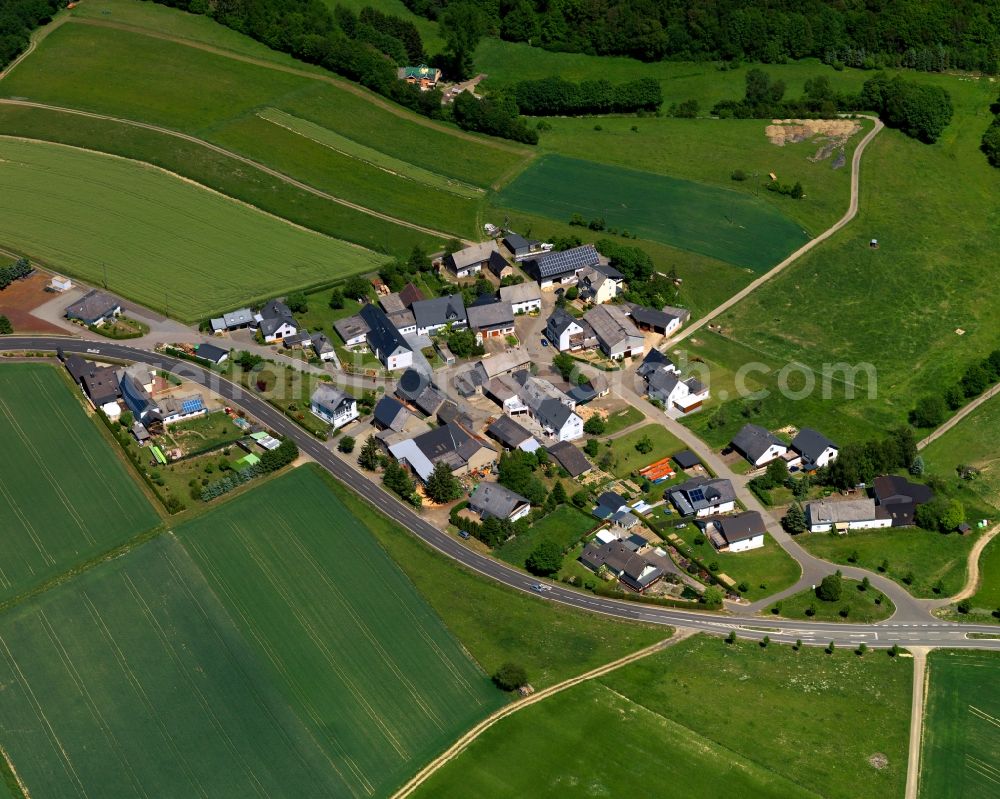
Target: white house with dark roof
column 523, row 297
column 490, row 319
column 333, row 405
column 522, row 249
column 94, row 308
column 437, row 313
column 384, row 340
column 738, row 533
column 560, row 268
column 849, row 514
column 703, row 496
column 811, row 450
column 666, row 386
column 758, row 445
column 568, row 333
column 492, row 500
column 352, row 329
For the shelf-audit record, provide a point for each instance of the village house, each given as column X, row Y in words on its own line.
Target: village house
column 333, row 405
column 511, row 435
column 616, row 558
column 523, row 297
column 616, row 335
column 600, row 283
column 94, row 308
column 666, row 386
column 899, row 498
column 664, row 322
column 234, row 320
column 656, row 361
column 571, row 459
column 472, row 259
column 136, row 385
column 450, row 443
column 353, row 330
column 548, row 406
column 390, row 414
column 738, row 533
column 494, row 501
column 758, row 445
column 416, row 389
column 568, row 333
column 848, row 514
column 422, row 76
column 437, row 313
column 561, row 268
column 608, row 504
column 810, row 450
column 522, row 249
column 99, row 383
column 387, row 343
column 493, row 319
column 703, row 496
column 275, row 322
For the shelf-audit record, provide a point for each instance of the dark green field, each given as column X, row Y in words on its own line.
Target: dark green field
column 378, row 679
column 960, row 757
column 131, row 681
column 65, row 495
column 723, row 224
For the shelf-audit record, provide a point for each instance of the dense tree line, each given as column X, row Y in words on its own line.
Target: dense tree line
column 862, row 463
column 558, row 96
column 366, row 48
column 920, row 34
column 495, row 114
column 645, row 285
column 18, row 18
column 15, row 271
column 991, row 138
column 918, row 110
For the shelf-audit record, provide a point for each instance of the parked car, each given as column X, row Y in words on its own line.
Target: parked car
column 545, row 342
column 539, row 587
column 463, row 533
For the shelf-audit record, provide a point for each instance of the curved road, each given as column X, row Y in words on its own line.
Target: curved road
column 884, row 634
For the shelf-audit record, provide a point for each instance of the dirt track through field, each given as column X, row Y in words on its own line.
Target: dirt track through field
column 920, row 677
column 463, row 743
column 972, row 581
column 954, row 420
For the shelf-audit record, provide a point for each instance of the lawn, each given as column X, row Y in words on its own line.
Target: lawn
column 701, row 715
column 974, row 441
column 131, row 680
column 961, row 736
column 862, row 606
column 922, row 555
column 847, row 303
column 203, row 433
column 219, row 172
column 65, row 495
column 89, row 215
column 765, row 571
column 363, row 660
column 496, row 624
column 627, row 459
column 565, row 525
column 622, row 418
column 729, row 225
column 287, row 389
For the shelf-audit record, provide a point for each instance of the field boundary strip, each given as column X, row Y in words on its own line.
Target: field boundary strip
column 463, row 743
column 340, row 83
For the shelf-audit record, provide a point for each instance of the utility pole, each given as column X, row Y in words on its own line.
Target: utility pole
column 104, row 267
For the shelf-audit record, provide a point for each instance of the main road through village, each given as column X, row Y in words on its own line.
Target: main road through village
column 927, row 632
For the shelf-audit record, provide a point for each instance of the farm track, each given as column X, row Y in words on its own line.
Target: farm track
column 972, row 581
column 920, row 679
column 962, row 413
column 340, row 83
column 463, row 743
column 852, row 211
column 298, row 184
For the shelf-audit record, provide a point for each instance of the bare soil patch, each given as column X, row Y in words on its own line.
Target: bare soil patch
column 20, row 298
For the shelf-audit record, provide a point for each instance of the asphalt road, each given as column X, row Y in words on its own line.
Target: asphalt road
column 884, row 634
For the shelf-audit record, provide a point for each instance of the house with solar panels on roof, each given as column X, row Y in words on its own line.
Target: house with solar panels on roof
column 562, row 268
column 703, row 496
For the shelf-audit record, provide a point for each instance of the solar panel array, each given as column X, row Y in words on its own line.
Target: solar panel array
column 556, row 263
column 697, row 495
column 191, row 405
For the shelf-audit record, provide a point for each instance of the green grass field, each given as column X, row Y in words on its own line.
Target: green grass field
column 926, row 556
column 368, row 155
column 565, row 525
column 378, row 679
column 65, row 495
column 622, row 418
column 701, row 716
column 988, row 595
column 163, row 242
column 132, row 681
column 974, row 441
column 861, row 606
column 497, row 625
column 845, row 302
column 627, row 458
column 961, row 736
column 728, row 225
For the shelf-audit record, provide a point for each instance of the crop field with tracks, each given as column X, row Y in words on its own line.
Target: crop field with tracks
column 378, row 679
column 961, row 735
column 719, row 223
column 131, row 681
column 64, row 494
column 159, row 239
